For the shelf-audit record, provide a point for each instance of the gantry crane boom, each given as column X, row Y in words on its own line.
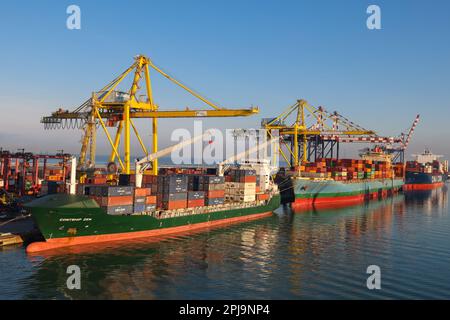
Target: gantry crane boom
column 298, row 133
column 112, row 108
column 326, row 127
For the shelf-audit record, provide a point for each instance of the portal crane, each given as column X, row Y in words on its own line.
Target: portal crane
column 110, row 107
column 309, row 125
column 321, row 136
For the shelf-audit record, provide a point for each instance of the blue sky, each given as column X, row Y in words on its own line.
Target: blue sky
column 236, row 53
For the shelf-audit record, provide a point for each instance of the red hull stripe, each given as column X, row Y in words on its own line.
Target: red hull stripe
column 423, row 186
column 71, row 241
column 332, row 202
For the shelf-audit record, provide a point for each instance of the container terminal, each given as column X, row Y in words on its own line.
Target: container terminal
column 80, row 203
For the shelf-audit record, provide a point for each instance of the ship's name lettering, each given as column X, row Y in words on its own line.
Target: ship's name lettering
column 74, row 219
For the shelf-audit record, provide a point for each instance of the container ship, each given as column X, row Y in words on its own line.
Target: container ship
column 339, row 182
column 174, row 201
column 425, row 172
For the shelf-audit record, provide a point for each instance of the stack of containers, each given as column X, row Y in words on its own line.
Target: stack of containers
column 172, row 192
column 348, row 169
column 140, row 200
column 54, row 174
column 196, row 196
column 116, row 200
column 195, row 199
column 399, row 169
column 242, row 187
column 214, row 188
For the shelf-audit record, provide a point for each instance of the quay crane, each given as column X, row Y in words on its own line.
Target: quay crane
column 309, row 133
column 110, row 107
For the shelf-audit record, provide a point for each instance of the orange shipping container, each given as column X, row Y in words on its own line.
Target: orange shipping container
column 247, row 179
column 142, row 192
column 150, row 200
column 215, row 194
column 175, row 204
column 115, row 201
column 263, row 196
column 196, row 203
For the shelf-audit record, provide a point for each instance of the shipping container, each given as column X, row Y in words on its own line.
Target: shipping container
column 119, row 210
column 142, row 192
column 194, row 195
column 174, row 196
column 139, row 200
column 115, row 201
column 174, row 204
column 115, row 191
column 150, row 200
column 263, row 196
column 215, row 194
column 139, row 207
column 212, row 179
column 195, row 203
column 214, row 201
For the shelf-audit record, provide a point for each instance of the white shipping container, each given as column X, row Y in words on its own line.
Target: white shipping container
column 245, row 192
column 246, row 198
column 248, row 185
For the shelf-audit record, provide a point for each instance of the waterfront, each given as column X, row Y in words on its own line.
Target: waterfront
column 301, row 255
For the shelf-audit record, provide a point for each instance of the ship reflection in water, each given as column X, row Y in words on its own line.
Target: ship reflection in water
column 311, row 254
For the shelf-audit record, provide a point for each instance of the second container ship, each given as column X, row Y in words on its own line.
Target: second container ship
column 338, row 182
column 425, row 172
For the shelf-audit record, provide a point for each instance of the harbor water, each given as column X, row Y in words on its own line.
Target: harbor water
column 310, row 254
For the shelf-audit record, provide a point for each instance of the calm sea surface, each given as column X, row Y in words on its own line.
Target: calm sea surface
column 291, row 255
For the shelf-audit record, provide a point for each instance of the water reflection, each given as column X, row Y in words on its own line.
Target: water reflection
column 430, row 201
column 310, row 254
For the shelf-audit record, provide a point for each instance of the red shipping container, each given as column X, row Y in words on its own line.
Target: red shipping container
column 142, row 192
column 215, row 194
column 196, row 203
column 263, row 196
column 248, row 179
column 174, row 204
column 150, row 200
column 115, row 201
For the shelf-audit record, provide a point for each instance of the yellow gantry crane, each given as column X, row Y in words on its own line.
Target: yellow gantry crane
column 112, row 108
column 309, row 124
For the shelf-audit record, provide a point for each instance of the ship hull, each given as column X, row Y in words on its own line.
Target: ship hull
column 331, row 193
column 423, row 181
column 77, row 225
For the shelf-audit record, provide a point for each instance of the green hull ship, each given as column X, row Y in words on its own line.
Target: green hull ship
column 69, row 220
